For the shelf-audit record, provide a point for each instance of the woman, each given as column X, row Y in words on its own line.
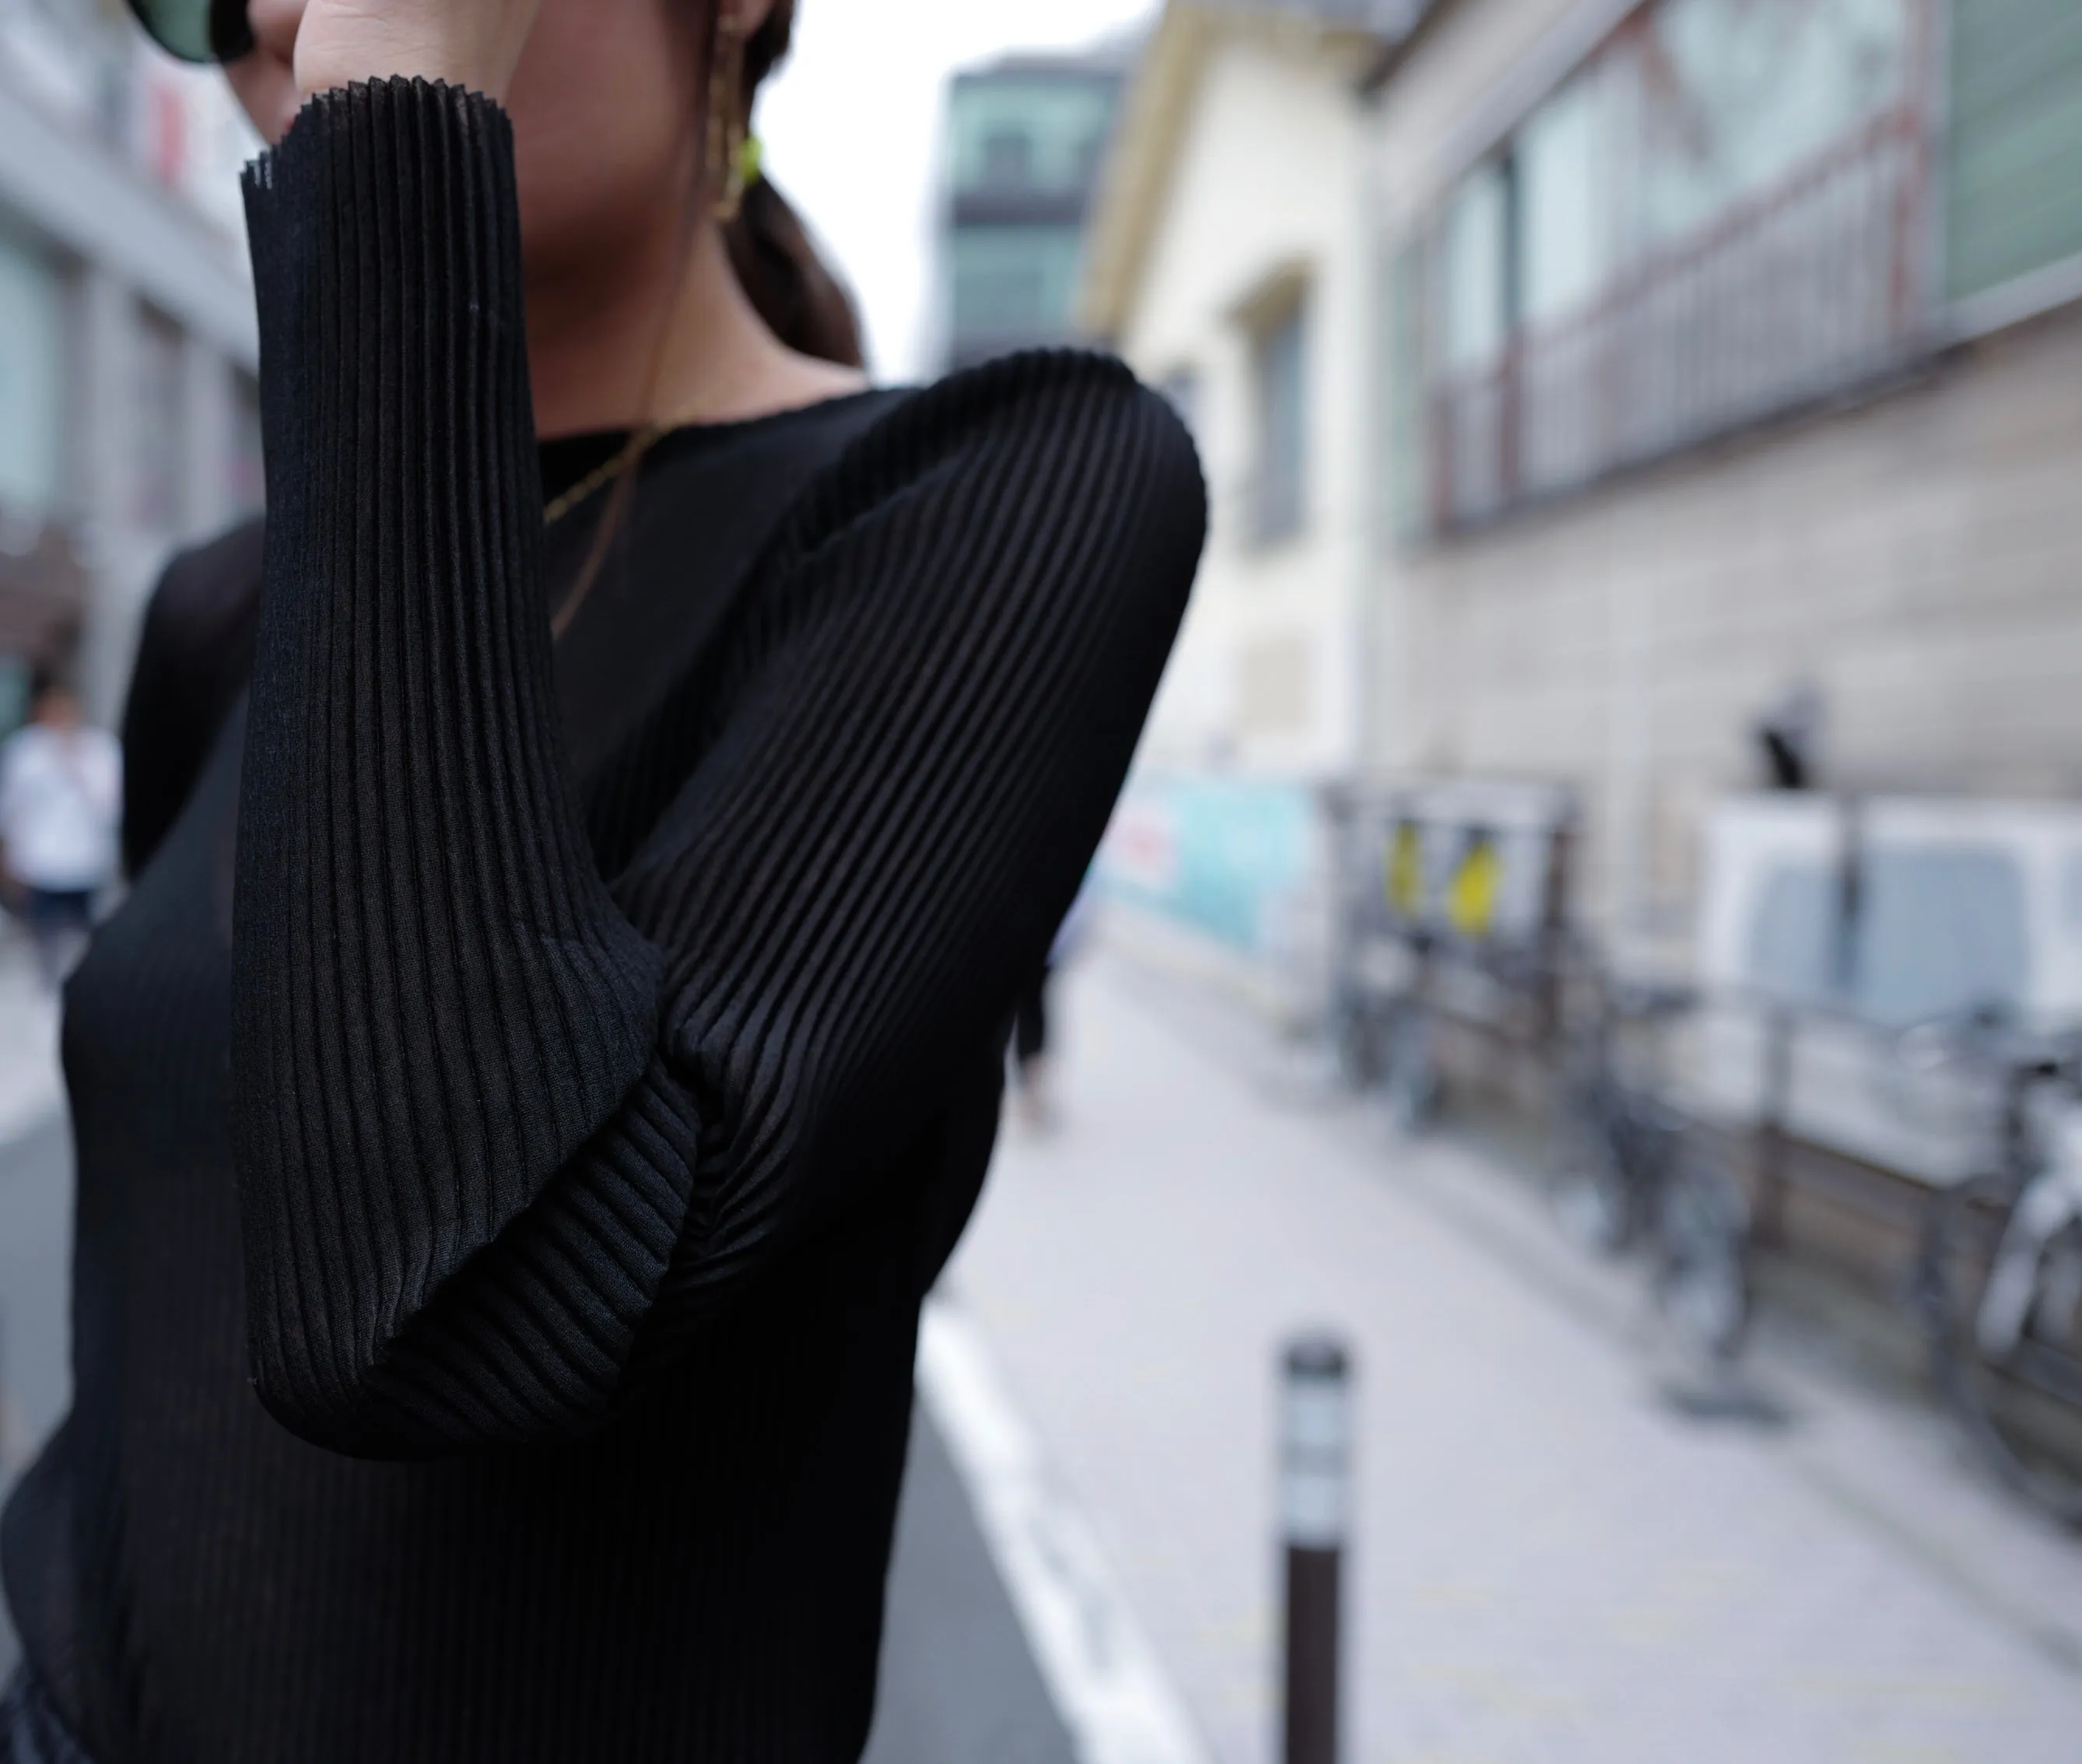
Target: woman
column 510, row 1166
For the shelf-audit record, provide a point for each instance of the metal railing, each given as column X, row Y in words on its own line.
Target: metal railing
column 1809, row 290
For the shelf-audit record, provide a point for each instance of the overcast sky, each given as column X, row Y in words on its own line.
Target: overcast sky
column 851, row 126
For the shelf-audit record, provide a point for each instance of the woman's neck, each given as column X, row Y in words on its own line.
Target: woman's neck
column 675, row 342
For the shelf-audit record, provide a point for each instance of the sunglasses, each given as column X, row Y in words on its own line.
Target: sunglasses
column 197, row 30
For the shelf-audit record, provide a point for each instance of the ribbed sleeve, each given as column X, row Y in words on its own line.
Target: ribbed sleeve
column 507, row 1127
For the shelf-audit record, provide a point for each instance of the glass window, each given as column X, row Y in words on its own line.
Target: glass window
column 1028, row 130
column 1007, row 159
column 1090, row 153
column 1565, row 178
column 2071, row 893
column 1791, row 952
column 1475, row 295
column 1281, row 366
column 32, row 380
column 1739, row 94
column 1013, row 280
column 1600, row 278
column 158, row 459
column 1941, row 930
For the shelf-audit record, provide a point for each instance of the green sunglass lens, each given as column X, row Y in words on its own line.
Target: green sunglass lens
column 197, row 30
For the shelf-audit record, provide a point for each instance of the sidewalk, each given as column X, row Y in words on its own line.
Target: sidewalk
column 1557, row 1556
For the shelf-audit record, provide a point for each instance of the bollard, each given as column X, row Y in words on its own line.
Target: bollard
column 1315, row 1453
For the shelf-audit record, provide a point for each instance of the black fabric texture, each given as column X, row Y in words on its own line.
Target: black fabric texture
column 529, row 1089
column 195, row 651
column 31, row 1730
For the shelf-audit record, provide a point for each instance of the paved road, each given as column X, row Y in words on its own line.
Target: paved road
column 958, row 1685
column 1556, row 1557
column 28, row 1039
column 35, row 1235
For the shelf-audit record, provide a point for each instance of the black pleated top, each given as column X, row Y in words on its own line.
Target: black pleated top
column 529, row 1089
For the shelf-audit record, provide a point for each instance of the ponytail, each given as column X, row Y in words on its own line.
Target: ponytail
column 801, row 302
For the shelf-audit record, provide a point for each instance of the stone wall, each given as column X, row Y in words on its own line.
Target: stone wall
column 1918, row 558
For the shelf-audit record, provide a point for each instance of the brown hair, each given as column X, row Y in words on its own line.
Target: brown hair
column 801, row 302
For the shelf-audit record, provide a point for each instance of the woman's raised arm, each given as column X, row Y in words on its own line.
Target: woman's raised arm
column 499, row 1114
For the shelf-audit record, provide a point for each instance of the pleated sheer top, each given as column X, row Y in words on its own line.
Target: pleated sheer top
column 530, row 1087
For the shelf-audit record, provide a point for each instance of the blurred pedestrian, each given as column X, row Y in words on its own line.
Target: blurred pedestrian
column 553, row 1039
column 61, row 792
column 1033, row 1060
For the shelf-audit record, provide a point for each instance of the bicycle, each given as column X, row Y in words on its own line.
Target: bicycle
column 1629, row 1173
column 1385, row 1043
column 1998, row 1277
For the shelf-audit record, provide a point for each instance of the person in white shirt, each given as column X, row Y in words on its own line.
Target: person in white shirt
column 61, row 799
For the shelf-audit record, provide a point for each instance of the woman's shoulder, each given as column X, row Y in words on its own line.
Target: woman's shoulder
column 1003, row 421
column 195, row 654
column 1031, row 390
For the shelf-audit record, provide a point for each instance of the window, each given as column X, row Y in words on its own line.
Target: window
column 1563, row 157
column 158, row 462
column 1940, row 931
column 1038, row 132
column 1476, row 290
column 1007, row 159
column 1090, row 154
column 1014, row 281
column 1792, row 943
column 1279, row 365
column 2014, row 139
column 1720, row 213
column 1738, row 95
column 32, row 398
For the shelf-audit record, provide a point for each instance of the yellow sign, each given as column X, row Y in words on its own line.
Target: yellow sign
column 1471, row 897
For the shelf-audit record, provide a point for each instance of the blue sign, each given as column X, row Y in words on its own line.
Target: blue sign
column 1219, row 854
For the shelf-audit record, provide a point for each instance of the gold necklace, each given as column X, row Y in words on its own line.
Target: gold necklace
column 604, row 473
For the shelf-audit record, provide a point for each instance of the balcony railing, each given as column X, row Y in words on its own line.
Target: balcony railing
column 1814, row 288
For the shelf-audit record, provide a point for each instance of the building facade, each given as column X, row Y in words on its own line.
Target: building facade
column 1024, row 138
column 128, row 414
column 1733, row 362
column 1230, row 264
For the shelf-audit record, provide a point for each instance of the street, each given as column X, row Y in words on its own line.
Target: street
column 1559, row 1553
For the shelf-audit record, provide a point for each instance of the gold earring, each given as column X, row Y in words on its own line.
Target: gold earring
column 726, row 123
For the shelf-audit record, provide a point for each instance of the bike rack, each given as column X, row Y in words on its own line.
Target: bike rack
column 1450, row 896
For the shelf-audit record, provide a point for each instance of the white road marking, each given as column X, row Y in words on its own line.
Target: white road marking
column 1113, row 1697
